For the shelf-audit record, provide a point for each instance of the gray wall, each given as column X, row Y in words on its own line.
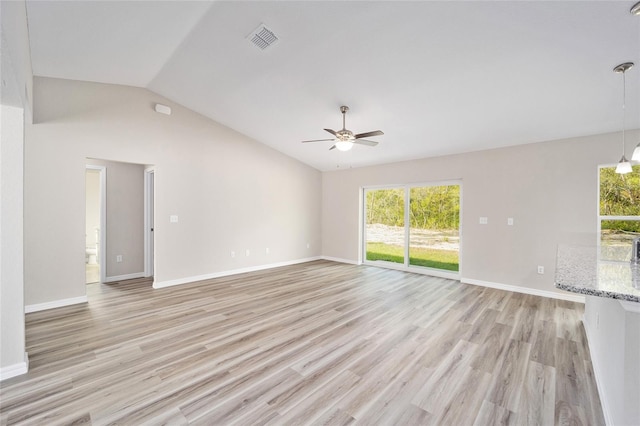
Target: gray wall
column 229, row 192
column 550, row 189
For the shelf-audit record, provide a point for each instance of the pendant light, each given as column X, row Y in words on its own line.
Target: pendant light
column 636, row 153
column 635, row 10
column 624, row 166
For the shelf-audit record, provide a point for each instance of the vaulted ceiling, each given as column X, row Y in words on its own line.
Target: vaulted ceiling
column 438, row 77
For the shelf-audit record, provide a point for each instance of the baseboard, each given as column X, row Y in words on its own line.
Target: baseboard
column 124, row 277
column 535, row 292
column 339, row 260
column 16, row 369
column 55, row 304
column 598, row 373
column 187, row 280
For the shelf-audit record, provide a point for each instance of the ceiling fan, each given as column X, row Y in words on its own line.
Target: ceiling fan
column 344, row 139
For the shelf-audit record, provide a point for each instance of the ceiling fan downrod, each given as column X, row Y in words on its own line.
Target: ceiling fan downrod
column 343, row 110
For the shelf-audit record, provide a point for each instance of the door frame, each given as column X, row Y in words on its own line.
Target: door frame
column 149, row 240
column 103, row 218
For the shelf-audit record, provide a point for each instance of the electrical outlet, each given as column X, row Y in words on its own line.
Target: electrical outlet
column 173, row 218
column 266, row 250
column 308, row 245
column 247, row 252
column 510, row 221
column 540, row 269
column 484, row 220
column 233, row 253
column 119, row 258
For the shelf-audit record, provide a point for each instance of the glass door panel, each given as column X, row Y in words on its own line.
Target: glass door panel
column 434, row 229
column 384, row 222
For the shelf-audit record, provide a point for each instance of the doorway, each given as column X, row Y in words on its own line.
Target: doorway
column 95, row 215
column 413, row 227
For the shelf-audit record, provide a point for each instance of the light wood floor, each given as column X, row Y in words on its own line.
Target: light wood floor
column 316, row 343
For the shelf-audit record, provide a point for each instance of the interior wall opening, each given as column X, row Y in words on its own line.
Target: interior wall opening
column 118, row 211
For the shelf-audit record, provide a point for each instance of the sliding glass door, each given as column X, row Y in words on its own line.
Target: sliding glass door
column 413, row 226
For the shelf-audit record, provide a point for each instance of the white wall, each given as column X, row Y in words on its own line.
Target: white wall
column 16, row 57
column 12, row 327
column 125, row 217
column 14, row 110
column 550, row 189
column 614, row 339
column 229, row 192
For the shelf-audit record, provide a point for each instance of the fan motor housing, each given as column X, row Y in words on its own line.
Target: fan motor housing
column 345, row 135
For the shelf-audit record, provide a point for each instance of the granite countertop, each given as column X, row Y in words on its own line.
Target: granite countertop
column 579, row 270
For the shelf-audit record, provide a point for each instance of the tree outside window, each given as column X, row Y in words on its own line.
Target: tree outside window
column 618, row 213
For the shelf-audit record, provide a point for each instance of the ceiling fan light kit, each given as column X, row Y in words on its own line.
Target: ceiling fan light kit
column 344, row 145
column 344, row 139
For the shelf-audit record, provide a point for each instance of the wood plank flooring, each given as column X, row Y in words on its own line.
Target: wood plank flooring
column 315, row 343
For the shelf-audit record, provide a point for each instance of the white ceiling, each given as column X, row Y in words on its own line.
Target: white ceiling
column 437, row 77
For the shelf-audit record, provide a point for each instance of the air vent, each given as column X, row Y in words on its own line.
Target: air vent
column 262, row 37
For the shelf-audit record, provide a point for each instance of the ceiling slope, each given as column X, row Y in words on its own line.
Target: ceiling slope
column 437, row 77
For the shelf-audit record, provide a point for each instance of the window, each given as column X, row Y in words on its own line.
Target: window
column 413, row 226
column 618, row 213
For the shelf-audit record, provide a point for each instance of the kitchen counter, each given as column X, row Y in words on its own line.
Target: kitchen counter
column 579, row 270
column 611, row 323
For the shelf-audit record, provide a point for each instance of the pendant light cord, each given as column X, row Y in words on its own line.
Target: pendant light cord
column 624, row 108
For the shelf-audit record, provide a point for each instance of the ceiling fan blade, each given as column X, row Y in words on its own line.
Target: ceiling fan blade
column 333, row 147
column 333, row 132
column 367, row 134
column 365, row 142
column 318, row 140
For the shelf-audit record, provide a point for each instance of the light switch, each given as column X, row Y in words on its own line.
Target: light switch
column 484, row 221
column 510, row 221
column 173, row 218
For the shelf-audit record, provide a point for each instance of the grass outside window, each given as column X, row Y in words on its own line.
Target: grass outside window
column 430, row 258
